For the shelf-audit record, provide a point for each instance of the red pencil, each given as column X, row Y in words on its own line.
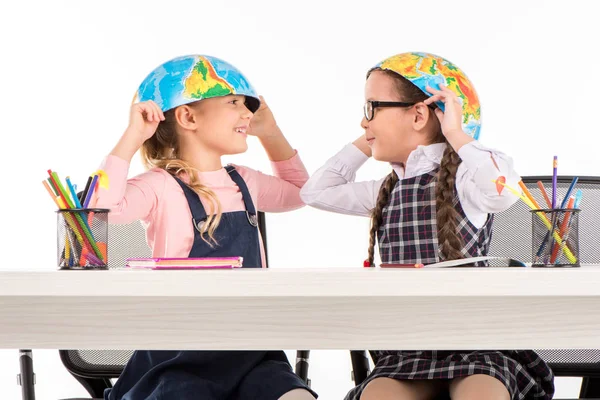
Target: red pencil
column 563, row 229
column 543, row 190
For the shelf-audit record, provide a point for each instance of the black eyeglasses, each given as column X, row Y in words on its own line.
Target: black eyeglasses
column 371, row 105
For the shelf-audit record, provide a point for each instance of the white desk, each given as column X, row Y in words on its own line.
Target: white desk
column 355, row 308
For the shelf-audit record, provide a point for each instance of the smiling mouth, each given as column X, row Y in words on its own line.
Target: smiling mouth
column 241, row 130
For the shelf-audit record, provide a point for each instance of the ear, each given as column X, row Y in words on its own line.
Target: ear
column 186, row 117
column 421, row 116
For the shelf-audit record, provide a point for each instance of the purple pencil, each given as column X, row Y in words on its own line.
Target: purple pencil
column 554, row 178
column 90, row 192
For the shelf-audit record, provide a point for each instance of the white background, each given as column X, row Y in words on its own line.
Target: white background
column 70, row 70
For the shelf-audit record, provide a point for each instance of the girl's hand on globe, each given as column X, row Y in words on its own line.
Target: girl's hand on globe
column 451, row 117
column 263, row 122
column 144, row 118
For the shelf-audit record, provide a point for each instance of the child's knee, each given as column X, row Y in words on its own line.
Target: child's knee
column 483, row 396
column 297, row 394
column 478, row 387
column 385, row 389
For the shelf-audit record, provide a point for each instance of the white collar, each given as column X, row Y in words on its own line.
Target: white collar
column 421, row 160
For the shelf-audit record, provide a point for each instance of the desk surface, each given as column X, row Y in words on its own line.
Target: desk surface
column 317, row 308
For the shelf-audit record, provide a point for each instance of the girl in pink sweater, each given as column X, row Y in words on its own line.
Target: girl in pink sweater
column 192, row 110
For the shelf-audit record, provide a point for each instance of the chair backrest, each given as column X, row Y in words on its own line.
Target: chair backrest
column 124, row 241
column 511, row 236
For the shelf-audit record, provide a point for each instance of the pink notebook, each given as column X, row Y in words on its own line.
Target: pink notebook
column 185, row 263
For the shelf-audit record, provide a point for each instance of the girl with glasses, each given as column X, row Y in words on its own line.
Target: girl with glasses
column 422, row 115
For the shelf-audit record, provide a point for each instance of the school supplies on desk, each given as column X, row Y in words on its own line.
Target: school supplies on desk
column 464, row 263
column 184, row 263
column 541, row 214
column 82, row 231
column 555, row 240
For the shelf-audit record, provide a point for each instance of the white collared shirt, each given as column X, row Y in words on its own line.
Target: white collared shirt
column 332, row 187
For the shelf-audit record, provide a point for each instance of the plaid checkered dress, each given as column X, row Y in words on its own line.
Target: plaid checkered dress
column 408, row 232
column 409, row 235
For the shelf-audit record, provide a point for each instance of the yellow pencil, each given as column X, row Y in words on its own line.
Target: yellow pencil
column 67, row 249
column 68, row 217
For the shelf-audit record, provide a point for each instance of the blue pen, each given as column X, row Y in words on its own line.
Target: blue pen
column 77, row 203
column 569, row 191
column 578, row 197
column 73, row 193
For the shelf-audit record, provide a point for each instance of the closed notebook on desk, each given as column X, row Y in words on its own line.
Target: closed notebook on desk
column 184, row 263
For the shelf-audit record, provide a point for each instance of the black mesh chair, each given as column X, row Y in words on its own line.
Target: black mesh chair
column 94, row 369
column 569, row 363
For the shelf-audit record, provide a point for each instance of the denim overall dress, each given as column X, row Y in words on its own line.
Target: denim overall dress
column 212, row 375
